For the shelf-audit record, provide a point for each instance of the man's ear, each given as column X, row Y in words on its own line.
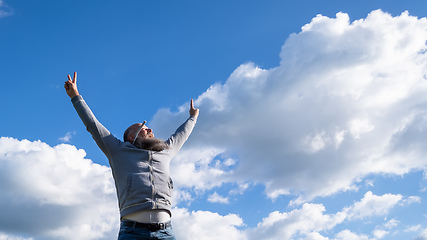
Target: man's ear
column 131, row 137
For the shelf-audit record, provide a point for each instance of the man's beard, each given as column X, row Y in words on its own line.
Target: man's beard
column 152, row 144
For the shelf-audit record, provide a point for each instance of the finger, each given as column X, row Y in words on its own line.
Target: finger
column 69, row 78
column 75, row 77
column 191, row 104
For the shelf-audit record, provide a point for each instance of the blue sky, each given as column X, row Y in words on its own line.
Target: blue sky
column 312, row 115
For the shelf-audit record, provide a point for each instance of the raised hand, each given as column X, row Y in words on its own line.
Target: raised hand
column 71, row 86
column 193, row 111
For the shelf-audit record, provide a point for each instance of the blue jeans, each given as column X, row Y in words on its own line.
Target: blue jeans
column 131, row 233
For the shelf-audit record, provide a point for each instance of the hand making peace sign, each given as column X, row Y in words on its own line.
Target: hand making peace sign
column 71, row 86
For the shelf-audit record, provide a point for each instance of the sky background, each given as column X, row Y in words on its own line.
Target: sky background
column 313, row 115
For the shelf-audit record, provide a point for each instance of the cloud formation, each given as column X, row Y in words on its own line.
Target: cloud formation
column 67, row 137
column 205, row 225
column 54, row 193
column 347, row 100
column 5, row 10
column 308, row 222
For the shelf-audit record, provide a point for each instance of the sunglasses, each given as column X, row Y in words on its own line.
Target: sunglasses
column 139, row 130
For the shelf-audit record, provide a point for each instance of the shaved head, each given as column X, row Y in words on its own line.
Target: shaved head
column 130, row 130
column 145, row 139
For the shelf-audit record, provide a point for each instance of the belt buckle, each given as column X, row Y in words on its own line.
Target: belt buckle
column 161, row 226
column 156, row 226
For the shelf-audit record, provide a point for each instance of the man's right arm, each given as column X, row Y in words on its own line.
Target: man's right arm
column 100, row 134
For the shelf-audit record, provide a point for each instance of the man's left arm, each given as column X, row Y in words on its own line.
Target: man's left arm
column 177, row 140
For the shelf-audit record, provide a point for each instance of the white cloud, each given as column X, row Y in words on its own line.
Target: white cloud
column 359, row 126
column 304, row 223
column 8, row 237
column 311, row 219
column 241, row 188
column 372, row 205
column 347, row 100
column 299, row 222
column 200, row 169
column 5, row 10
column 391, row 224
column 348, row 235
column 315, row 236
column 54, row 193
column 203, row 225
column 412, row 199
column 216, row 198
column 415, row 228
column 380, row 233
column 67, row 137
column 180, row 196
column 422, row 236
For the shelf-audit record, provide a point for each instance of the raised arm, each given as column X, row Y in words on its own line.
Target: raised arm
column 183, row 132
column 71, row 86
column 103, row 138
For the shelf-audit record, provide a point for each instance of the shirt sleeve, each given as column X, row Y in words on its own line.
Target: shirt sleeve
column 103, row 138
column 177, row 140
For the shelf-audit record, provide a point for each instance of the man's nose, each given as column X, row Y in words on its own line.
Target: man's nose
column 149, row 130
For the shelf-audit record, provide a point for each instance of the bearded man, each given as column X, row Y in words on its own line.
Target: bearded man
column 140, row 167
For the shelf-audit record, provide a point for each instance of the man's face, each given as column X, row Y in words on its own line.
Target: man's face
column 145, row 131
column 145, row 139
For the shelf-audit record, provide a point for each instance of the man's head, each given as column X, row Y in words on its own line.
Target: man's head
column 136, row 130
column 142, row 137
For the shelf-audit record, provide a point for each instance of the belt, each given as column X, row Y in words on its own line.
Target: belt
column 149, row 226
